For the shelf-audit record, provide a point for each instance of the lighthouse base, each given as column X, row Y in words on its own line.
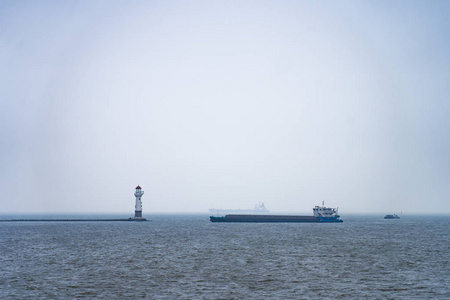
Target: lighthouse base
column 137, row 219
column 137, row 214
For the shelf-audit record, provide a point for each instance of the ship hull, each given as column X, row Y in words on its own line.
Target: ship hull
column 274, row 219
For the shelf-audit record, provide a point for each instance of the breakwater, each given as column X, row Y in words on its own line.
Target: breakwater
column 74, row 220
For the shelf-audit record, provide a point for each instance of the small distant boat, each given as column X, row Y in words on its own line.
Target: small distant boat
column 394, row 216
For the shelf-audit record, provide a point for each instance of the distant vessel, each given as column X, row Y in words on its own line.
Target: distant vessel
column 259, row 208
column 394, row 216
column 322, row 214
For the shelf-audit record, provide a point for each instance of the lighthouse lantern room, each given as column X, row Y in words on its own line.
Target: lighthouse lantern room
column 138, row 207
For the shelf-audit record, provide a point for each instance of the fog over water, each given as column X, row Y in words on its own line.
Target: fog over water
column 224, row 104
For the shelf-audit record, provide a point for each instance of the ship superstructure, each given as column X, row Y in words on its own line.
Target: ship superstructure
column 325, row 212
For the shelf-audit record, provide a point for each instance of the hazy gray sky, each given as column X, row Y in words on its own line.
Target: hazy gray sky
column 225, row 104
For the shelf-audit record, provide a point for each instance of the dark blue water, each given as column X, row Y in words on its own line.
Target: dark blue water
column 187, row 257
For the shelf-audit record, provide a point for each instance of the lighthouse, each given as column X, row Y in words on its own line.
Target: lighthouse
column 138, row 207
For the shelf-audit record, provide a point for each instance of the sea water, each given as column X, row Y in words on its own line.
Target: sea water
column 188, row 257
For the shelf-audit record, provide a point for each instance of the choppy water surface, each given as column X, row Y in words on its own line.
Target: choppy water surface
column 187, row 257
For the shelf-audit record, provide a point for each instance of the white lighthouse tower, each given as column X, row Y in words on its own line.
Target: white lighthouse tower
column 138, row 207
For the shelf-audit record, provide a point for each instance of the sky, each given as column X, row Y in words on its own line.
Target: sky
column 224, row 104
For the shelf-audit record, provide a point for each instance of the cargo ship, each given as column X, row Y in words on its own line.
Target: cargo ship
column 260, row 208
column 322, row 214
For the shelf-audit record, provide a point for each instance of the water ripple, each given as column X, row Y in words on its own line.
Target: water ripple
column 185, row 257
